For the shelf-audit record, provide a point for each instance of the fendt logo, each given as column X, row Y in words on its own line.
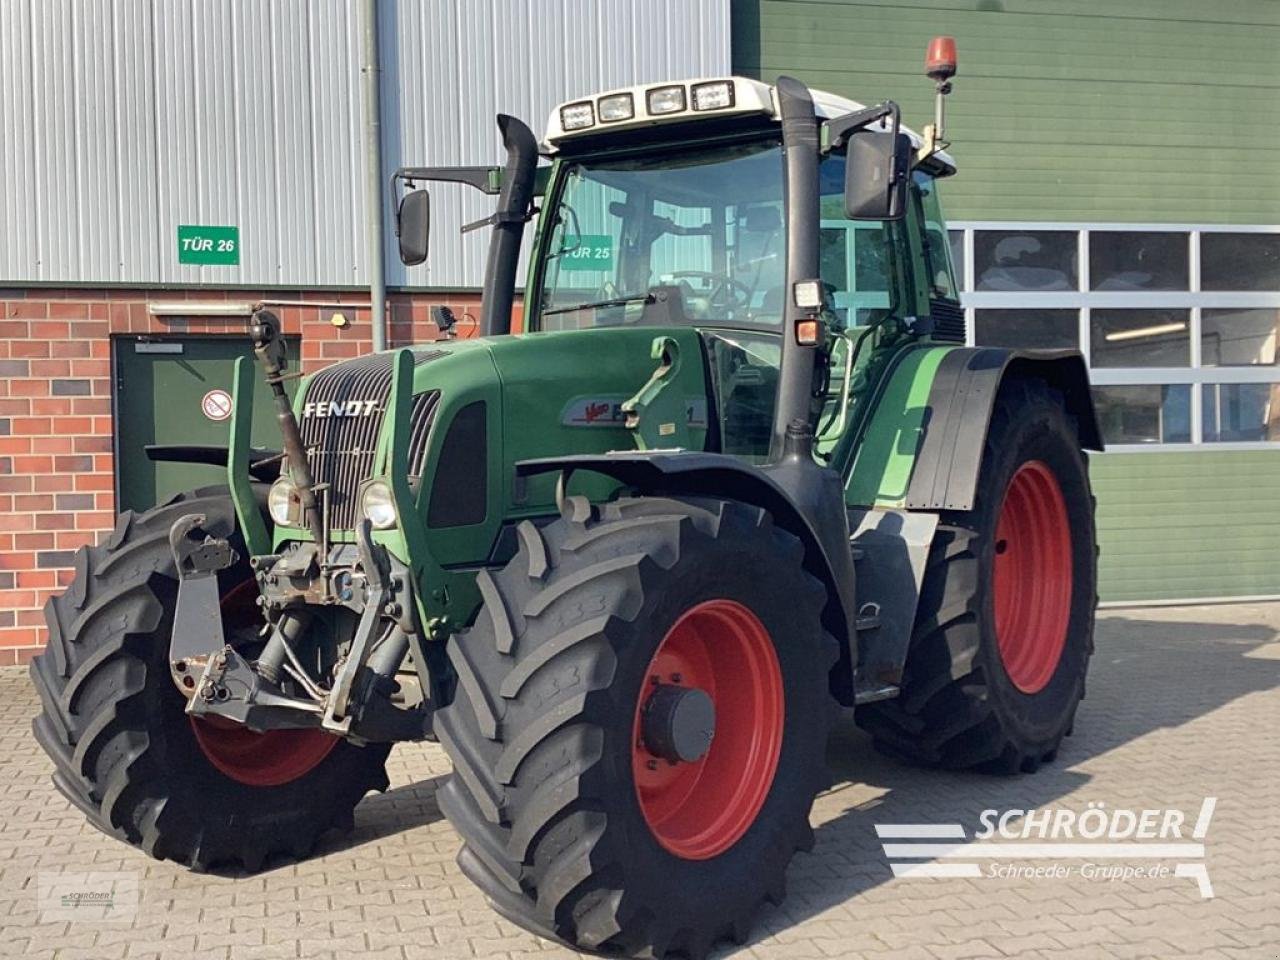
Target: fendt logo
column 339, row 408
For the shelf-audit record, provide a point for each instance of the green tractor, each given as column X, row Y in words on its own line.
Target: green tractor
column 738, row 471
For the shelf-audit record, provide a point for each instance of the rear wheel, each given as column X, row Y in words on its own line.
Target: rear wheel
column 197, row 791
column 1004, row 629
column 640, row 724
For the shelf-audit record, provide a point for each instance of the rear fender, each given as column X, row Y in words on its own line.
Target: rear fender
column 920, row 455
column 958, row 412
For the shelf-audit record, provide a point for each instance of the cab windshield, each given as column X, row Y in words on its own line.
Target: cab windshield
column 694, row 238
column 699, row 238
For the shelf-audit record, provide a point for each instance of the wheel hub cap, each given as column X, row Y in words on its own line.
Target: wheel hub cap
column 679, row 723
column 708, row 730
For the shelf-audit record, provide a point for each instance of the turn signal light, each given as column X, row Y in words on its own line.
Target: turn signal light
column 807, row 333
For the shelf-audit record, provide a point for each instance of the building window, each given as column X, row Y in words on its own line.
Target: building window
column 1179, row 324
column 1240, row 261
column 1041, row 329
column 1133, row 260
column 1025, row 260
column 1241, row 412
column 1241, row 337
column 1144, row 413
column 1140, row 338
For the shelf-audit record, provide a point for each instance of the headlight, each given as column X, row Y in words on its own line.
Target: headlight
column 283, row 503
column 662, row 100
column 617, row 107
column 378, row 505
column 577, row 116
column 713, row 96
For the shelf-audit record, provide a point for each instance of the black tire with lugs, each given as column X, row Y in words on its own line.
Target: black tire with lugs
column 113, row 723
column 540, row 732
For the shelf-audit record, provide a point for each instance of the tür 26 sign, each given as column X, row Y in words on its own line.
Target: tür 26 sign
column 209, row 246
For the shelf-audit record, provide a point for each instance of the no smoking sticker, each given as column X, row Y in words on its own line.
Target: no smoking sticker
column 216, row 405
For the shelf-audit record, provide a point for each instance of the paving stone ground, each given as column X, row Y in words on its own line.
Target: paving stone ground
column 1183, row 704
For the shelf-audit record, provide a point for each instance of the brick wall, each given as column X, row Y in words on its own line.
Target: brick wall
column 56, row 465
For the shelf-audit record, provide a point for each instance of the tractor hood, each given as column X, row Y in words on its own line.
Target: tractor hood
column 477, row 407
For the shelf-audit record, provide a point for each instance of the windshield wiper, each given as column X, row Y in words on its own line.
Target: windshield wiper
column 595, row 304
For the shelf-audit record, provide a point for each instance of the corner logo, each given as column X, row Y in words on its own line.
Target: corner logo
column 606, row 411
column 593, row 412
column 1118, row 845
column 599, row 411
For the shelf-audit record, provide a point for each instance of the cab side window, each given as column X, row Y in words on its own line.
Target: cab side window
column 937, row 249
column 863, row 263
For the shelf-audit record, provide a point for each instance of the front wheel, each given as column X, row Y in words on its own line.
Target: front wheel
column 198, row 791
column 640, row 724
column 1004, row 628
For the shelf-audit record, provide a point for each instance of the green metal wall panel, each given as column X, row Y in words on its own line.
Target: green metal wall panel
column 1188, row 525
column 1071, row 110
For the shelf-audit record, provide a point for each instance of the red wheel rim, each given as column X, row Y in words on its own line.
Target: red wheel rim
column 1032, row 577
column 257, row 759
column 699, row 809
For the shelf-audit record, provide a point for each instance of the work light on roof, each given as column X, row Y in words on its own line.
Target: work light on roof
column 615, row 107
column 662, row 100
column 577, row 116
column 716, row 95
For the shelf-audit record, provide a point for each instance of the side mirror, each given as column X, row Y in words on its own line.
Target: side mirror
column 413, row 226
column 875, row 175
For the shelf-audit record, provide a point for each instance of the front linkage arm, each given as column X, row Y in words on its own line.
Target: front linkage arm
column 219, row 680
column 268, row 346
column 206, row 669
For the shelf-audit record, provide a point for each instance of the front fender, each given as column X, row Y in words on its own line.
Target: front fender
column 720, row 475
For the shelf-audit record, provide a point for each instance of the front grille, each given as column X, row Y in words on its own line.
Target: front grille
column 420, row 420
column 341, row 449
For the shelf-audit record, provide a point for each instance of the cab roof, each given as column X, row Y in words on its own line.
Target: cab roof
column 748, row 98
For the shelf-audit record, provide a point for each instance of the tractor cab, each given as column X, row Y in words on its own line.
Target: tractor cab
column 667, row 207
column 691, row 204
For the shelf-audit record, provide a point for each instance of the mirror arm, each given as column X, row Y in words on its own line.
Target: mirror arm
column 485, row 179
column 839, row 129
column 502, row 216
